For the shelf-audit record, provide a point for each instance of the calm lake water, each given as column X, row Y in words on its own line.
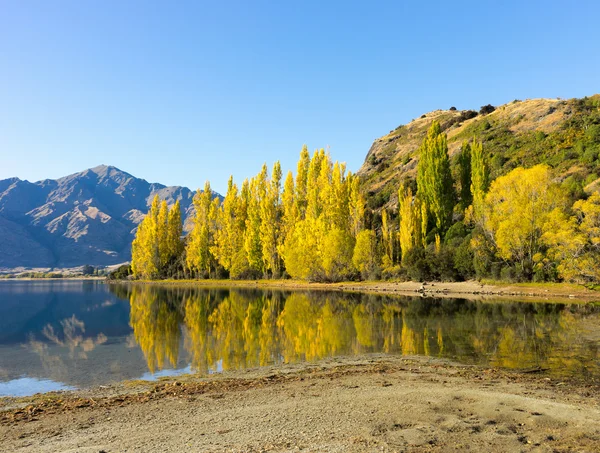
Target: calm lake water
column 74, row 334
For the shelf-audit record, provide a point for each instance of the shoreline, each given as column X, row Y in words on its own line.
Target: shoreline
column 473, row 290
column 388, row 403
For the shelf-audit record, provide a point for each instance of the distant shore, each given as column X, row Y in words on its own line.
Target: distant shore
column 557, row 292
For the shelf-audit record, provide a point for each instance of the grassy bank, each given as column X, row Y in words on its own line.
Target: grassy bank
column 560, row 292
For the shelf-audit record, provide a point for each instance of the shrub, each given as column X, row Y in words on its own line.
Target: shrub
column 486, row 109
column 121, row 273
column 464, row 259
column 394, row 273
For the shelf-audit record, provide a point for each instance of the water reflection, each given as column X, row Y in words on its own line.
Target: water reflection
column 233, row 329
column 70, row 338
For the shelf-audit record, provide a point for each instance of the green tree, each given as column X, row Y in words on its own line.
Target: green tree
column 464, row 167
column 434, row 178
column 480, row 175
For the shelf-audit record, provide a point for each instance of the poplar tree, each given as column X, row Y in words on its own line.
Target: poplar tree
column 225, row 238
column 480, row 179
column 434, row 178
column 302, row 181
column 387, row 237
column 366, row 256
column 356, row 205
column 313, row 206
column 464, row 167
column 289, row 208
column 144, row 249
column 240, row 260
column 270, row 207
column 198, row 255
column 174, row 232
column 157, row 241
column 410, row 221
column 252, row 242
column 162, row 232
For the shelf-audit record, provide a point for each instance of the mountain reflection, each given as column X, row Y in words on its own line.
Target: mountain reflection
column 234, row 329
column 71, row 337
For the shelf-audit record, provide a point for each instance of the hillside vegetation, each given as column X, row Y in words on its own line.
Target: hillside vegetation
column 564, row 134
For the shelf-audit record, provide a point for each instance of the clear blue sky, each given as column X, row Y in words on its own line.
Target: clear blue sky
column 180, row 92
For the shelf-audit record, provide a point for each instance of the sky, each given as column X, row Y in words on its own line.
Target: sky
column 181, row 92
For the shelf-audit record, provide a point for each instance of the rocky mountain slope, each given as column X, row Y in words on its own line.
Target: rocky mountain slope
column 85, row 218
column 564, row 134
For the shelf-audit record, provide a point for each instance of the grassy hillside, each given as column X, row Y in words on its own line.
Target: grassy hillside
column 564, row 134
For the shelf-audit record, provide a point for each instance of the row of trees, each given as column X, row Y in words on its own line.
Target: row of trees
column 451, row 223
column 157, row 246
column 308, row 228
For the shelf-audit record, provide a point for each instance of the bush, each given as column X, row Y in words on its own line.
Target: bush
column 590, row 155
column 456, row 231
column 427, row 264
column 508, row 274
column 416, row 266
column 87, row 270
column 121, row 273
column 486, row 109
column 394, row 273
column 464, row 259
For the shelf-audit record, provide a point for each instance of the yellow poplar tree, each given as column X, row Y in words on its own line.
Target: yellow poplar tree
column 270, row 207
column 162, row 225
column 410, row 221
column 366, row 256
column 174, row 232
column 198, row 255
column 302, row 181
column 252, row 243
column 145, row 260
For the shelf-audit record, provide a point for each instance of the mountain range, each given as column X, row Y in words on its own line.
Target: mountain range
column 85, row 218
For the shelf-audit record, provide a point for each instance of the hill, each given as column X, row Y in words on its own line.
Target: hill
column 564, row 134
column 85, row 218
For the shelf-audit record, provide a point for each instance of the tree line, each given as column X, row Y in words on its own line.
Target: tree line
column 451, row 223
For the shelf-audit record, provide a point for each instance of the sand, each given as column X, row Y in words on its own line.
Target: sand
column 360, row 404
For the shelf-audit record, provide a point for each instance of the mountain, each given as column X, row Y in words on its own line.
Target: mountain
column 85, row 218
column 565, row 134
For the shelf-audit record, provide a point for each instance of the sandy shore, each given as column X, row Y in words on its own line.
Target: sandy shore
column 558, row 292
column 370, row 403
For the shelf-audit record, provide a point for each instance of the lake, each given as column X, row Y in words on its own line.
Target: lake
column 59, row 334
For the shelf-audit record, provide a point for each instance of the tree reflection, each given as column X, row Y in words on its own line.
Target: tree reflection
column 155, row 320
column 233, row 329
